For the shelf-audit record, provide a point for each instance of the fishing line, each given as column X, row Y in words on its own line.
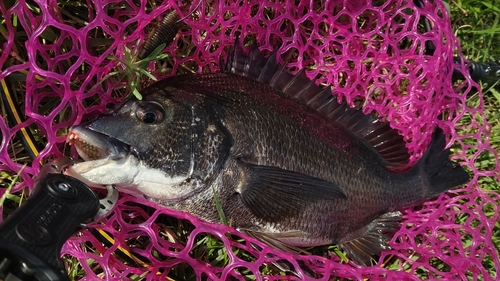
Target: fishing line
column 14, row 116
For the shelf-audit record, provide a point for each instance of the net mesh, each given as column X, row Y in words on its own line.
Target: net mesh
column 375, row 54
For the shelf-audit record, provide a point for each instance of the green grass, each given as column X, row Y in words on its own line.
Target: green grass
column 477, row 26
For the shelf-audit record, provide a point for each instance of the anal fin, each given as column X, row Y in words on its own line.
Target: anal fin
column 377, row 235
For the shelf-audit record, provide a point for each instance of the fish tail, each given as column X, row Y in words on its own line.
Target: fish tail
column 442, row 173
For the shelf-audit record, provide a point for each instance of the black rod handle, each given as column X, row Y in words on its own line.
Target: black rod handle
column 32, row 237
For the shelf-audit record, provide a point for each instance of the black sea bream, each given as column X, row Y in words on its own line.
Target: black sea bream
column 289, row 165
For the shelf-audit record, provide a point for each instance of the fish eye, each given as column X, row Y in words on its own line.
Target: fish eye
column 149, row 118
column 150, row 113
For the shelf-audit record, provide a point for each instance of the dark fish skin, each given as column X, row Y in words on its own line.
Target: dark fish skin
column 263, row 133
column 285, row 173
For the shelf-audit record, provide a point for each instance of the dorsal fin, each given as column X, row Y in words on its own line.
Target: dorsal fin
column 389, row 144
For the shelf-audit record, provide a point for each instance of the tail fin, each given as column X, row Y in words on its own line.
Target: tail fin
column 442, row 173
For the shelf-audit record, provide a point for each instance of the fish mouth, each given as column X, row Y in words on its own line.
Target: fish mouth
column 92, row 145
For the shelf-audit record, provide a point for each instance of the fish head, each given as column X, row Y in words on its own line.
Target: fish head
column 145, row 147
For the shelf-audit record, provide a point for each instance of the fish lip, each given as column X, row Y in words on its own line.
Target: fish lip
column 92, row 145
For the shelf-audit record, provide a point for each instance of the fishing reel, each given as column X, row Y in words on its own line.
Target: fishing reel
column 487, row 73
column 32, row 237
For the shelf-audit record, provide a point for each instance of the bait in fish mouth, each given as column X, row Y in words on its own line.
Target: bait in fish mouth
column 290, row 166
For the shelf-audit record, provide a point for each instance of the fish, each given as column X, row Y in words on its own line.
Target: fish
column 288, row 164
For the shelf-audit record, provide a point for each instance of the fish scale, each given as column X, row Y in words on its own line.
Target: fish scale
column 290, row 174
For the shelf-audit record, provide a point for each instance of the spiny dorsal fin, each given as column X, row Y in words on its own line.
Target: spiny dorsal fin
column 389, row 144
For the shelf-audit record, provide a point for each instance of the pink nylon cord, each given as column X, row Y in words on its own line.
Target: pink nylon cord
column 370, row 52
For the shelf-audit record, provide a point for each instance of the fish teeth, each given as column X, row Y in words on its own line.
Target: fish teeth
column 91, row 151
column 72, row 137
column 86, row 150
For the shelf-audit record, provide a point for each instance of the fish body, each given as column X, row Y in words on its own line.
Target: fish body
column 290, row 166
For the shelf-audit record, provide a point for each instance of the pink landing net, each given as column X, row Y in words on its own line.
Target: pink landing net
column 371, row 52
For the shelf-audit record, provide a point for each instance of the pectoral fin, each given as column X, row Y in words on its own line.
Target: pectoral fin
column 272, row 193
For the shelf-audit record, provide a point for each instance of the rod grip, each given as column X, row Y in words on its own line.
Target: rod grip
column 32, row 237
